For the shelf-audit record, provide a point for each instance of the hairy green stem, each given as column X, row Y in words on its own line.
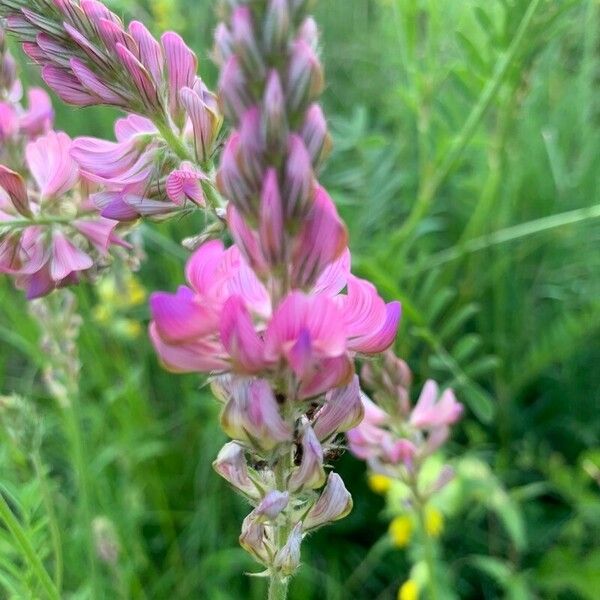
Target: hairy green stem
column 22, row 541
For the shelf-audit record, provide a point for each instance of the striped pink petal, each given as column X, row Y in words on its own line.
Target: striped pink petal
column 67, row 258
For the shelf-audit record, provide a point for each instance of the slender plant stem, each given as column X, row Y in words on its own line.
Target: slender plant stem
column 278, row 585
column 430, row 187
column 80, row 462
column 28, row 551
column 428, row 551
column 368, row 564
column 52, row 520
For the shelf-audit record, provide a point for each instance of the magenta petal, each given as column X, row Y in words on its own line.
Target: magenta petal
column 329, row 373
column 245, row 239
column 342, row 410
column 382, row 339
column 67, row 258
column 200, row 356
column 239, row 336
column 14, row 186
column 179, row 317
column 202, row 265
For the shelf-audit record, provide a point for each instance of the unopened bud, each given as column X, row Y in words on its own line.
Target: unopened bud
column 315, row 134
column 310, row 473
column 254, row 540
column 233, row 86
column 271, row 220
column 275, row 119
column 305, row 76
column 277, row 26
column 272, row 505
column 287, row 560
column 232, row 466
column 341, row 411
column 334, row 503
column 298, row 189
column 244, row 41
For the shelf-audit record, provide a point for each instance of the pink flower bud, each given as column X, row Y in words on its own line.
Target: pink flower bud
column 230, row 180
column 254, row 540
column 232, row 466
column 341, row 411
column 206, row 123
column 68, row 88
column 150, row 51
column 299, row 186
column 309, row 474
column 246, row 240
column 234, row 89
column 272, row 505
column 223, row 45
column 321, row 241
column 244, row 41
column 252, row 147
column 334, row 503
column 271, row 230
column 276, row 26
column 275, row 118
column 181, row 65
column 305, row 76
column 315, row 135
column 309, row 32
column 252, row 415
column 287, row 560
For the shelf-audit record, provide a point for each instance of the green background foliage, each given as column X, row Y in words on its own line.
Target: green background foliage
column 466, row 163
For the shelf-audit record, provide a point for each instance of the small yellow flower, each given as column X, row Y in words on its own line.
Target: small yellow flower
column 380, row 484
column 409, row 590
column 136, row 293
column 400, row 531
column 434, row 522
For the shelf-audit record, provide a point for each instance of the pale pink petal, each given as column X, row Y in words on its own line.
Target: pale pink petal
column 203, row 264
column 100, row 233
column 50, row 163
column 67, row 258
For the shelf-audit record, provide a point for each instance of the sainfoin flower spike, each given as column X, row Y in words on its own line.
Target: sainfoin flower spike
column 277, row 318
column 164, row 149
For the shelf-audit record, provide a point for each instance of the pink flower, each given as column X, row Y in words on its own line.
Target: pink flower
column 433, row 411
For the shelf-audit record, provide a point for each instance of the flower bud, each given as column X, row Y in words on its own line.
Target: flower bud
column 315, row 135
column 310, row 473
column 252, row 147
column 341, row 411
column 254, row 540
column 230, row 180
column 223, row 45
column 234, row 91
column 271, row 232
column 252, row 415
column 276, row 26
column 309, row 32
column 232, row 466
column 305, row 76
column 272, row 505
column 334, row 503
column 287, row 560
column 244, row 41
column 275, row 119
column 298, row 188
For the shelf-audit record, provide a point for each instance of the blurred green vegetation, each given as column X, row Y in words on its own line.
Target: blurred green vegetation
column 467, row 165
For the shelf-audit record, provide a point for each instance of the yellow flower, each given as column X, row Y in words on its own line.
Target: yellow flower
column 409, row 590
column 400, row 531
column 135, row 291
column 434, row 522
column 380, row 484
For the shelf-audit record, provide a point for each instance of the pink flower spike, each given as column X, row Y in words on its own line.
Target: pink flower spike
column 14, row 186
column 239, row 337
column 67, row 258
column 322, row 240
column 39, row 116
column 184, row 184
column 49, row 160
column 182, row 65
